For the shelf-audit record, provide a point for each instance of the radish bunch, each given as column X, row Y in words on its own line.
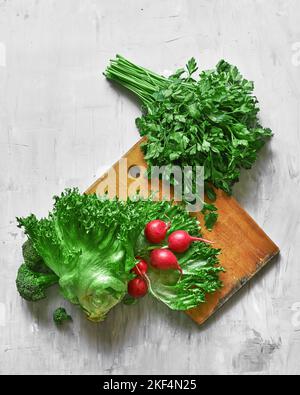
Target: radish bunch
column 162, row 258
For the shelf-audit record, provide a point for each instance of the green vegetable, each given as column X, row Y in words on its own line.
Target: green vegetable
column 90, row 243
column 211, row 122
column 210, row 215
column 31, row 285
column 32, row 259
column 200, row 277
column 208, row 207
column 210, row 220
column 211, row 194
column 60, row 316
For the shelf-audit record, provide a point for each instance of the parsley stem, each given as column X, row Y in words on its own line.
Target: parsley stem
column 137, row 79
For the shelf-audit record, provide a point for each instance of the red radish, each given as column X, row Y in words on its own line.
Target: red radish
column 164, row 259
column 137, row 287
column 180, row 241
column 140, row 268
column 156, row 231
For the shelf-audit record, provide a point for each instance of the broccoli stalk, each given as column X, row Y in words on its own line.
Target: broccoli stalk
column 32, row 285
column 60, row 316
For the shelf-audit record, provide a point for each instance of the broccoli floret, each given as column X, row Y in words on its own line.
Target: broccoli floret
column 32, row 259
column 32, row 285
column 60, row 316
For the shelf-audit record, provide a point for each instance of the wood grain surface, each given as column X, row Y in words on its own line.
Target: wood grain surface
column 244, row 245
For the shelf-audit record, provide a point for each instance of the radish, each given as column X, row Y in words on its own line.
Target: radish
column 140, row 268
column 164, row 259
column 137, row 287
column 180, row 241
column 156, row 231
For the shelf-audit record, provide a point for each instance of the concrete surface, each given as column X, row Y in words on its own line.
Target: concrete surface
column 62, row 124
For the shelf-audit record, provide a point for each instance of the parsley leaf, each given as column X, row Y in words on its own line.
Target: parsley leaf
column 210, row 219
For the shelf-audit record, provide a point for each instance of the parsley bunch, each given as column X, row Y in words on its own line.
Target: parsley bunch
column 210, row 122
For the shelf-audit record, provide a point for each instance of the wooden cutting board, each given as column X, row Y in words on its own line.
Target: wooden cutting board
column 245, row 247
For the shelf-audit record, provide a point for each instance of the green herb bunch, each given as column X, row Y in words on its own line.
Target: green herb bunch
column 210, row 122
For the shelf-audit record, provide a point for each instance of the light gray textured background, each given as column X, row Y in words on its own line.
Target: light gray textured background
column 62, row 124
